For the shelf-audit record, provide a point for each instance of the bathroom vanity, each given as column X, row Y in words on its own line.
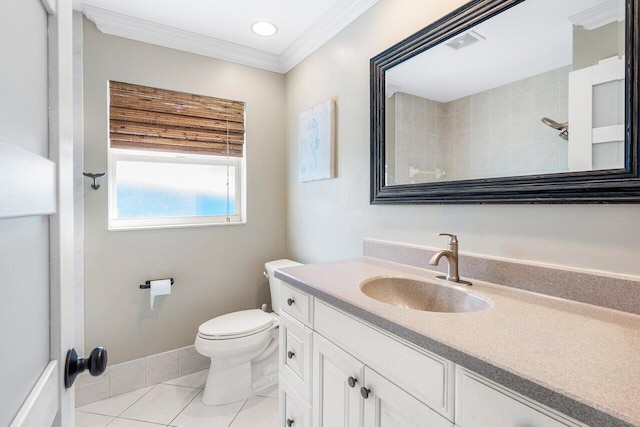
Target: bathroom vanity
column 527, row 360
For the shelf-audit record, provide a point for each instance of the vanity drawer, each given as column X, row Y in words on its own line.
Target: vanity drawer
column 293, row 409
column 296, row 303
column 477, row 399
column 295, row 355
column 424, row 375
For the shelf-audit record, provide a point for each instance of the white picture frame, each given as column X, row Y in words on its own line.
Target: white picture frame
column 316, row 142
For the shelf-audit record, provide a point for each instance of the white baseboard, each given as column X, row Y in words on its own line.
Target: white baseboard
column 41, row 407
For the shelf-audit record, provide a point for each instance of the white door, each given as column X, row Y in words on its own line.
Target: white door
column 36, row 212
column 337, row 379
column 387, row 405
column 597, row 116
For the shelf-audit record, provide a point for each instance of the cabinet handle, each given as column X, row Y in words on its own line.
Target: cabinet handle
column 289, row 422
column 365, row 392
column 290, row 301
column 290, row 354
column 352, row 382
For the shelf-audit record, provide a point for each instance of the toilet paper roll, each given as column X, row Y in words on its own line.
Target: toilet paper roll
column 159, row 287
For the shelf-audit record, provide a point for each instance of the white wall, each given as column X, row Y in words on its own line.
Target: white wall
column 24, row 242
column 216, row 269
column 327, row 220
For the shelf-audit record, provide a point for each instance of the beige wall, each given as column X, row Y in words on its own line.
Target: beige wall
column 216, row 269
column 592, row 46
column 327, row 220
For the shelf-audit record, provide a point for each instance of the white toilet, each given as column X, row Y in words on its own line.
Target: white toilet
column 242, row 347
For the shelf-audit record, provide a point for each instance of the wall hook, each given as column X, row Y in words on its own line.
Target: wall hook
column 95, row 177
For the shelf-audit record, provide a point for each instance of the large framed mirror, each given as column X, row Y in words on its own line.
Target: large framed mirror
column 510, row 101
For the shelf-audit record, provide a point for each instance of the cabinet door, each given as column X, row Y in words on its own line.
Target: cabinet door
column 337, row 378
column 294, row 411
column 387, row 405
column 295, row 355
column 483, row 403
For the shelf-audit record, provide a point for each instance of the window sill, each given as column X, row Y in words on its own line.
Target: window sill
column 168, row 226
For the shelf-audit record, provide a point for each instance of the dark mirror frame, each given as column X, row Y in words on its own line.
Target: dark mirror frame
column 605, row 186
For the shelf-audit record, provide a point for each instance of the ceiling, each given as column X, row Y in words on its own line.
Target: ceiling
column 526, row 40
column 222, row 29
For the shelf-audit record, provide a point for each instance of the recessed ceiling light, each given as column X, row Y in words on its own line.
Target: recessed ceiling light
column 264, row 28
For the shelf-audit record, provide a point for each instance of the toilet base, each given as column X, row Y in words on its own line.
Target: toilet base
column 228, row 385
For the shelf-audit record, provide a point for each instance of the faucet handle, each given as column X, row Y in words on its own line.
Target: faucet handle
column 453, row 239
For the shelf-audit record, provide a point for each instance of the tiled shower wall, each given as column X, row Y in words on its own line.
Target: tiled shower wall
column 497, row 132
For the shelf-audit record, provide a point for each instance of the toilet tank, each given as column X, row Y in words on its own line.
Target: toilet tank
column 274, row 284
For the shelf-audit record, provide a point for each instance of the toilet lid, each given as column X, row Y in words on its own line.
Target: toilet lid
column 239, row 323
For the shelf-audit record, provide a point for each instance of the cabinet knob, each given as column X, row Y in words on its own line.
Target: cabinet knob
column 290, row 354
column 290, row 301
column 352, row 382
column 365, row 392
column 289, row 422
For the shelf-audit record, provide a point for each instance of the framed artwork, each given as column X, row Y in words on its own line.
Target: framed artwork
column 316, row 142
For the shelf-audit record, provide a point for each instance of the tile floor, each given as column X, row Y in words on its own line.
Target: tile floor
column 176, row 403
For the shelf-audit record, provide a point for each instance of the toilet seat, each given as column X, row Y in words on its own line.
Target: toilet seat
column 237, row 325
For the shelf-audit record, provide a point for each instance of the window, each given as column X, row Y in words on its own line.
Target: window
column 175, row 159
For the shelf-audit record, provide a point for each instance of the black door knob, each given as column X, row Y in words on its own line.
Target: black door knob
column 365, row 392
column 290, row 354
column 289, row 422
column 96, row 363
column 290, row 301
column 352, row 382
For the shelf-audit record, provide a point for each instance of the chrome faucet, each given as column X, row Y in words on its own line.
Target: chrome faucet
column 452, row 257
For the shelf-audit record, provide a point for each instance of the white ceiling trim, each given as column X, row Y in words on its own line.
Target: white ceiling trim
column 333, row 21
column 129, row 27
column 602, row 14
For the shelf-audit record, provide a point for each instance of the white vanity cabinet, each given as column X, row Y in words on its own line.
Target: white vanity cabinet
column 294, row 410
column 347, row 393
column 338, row 371
column 393, row 384
column 389, row 406
column 483, row 403
column 295, row 357
column 337, row 378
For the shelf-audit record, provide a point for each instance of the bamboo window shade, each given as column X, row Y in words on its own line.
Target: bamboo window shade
column 147, row 118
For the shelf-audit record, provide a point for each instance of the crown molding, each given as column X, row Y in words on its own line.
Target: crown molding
column 129, row 27
column 602, row 14
column 333, row 21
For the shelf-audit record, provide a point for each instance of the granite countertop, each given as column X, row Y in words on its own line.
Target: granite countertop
column 577, row 358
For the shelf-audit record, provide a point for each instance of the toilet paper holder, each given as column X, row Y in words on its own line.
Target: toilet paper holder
column 147, row 284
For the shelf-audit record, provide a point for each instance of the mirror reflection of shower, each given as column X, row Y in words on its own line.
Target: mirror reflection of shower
column 562, row 127
column 439, row 173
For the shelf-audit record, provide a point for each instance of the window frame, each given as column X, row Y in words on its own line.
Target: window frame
column 123, row 154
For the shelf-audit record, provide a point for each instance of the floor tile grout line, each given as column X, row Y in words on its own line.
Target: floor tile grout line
column 178, row 385
column 95, row 413
column 185, row 406
column 119, row 416
column 238, row 413
column 102, row 415
column 139, row 421
column 121, row 412
column 111, row 422
column 136, row 400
